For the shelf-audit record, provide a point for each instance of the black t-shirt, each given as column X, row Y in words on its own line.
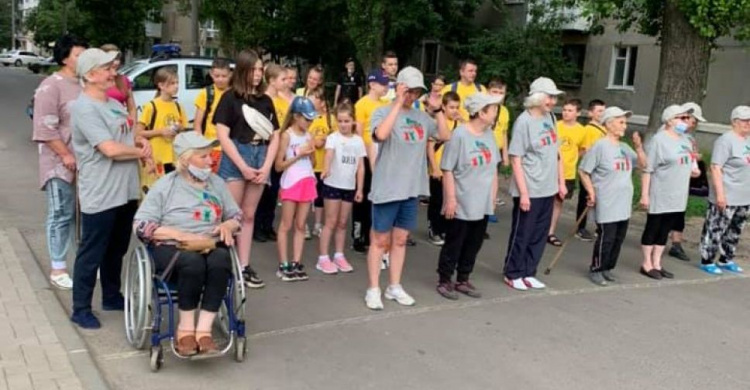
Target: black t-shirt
column 229, row 114
column 350, row 86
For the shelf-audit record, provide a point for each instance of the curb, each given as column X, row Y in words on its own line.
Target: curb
column 83, row 363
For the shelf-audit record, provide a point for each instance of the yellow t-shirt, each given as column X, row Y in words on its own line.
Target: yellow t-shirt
column 281, row 106
column 593, row 134
column 571, row 142
column 167, row 113
column 363, row 110
column 439, row 152
column 200, row 102
column 501, row 127
column 463, row 92
column 319, row 130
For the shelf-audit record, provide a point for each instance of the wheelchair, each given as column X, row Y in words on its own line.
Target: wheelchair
column 147, row 299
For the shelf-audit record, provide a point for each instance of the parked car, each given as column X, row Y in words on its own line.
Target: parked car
column 193, row 74
column 42, row 66
column 19, row 58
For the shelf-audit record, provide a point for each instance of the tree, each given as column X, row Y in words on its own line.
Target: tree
column 53, row 18
column 687, row 31
column 5, row 22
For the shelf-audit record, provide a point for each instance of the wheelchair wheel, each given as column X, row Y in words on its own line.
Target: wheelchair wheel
column 238, row 297
column 240, row 349
column 137, row 296
column 157, row 358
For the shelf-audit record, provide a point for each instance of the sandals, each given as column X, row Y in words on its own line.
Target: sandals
column 553, row 240
column 206, row 343
column 186, row 344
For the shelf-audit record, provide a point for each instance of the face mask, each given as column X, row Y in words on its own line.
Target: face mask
column 198, row 173
column 681, row 127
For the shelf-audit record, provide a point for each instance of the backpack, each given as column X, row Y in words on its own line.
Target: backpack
column 454, row 87
column 153, row 115
column 30, row 109
column 209, row 103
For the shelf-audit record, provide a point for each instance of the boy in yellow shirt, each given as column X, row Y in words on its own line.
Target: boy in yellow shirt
column 161, row 120
column 377, row 82
column 207, row 101
column 594, row 131
column 572, row 136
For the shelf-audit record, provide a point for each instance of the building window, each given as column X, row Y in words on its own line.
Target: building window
column 574, row 54
column 430, row 57
column 622, row 69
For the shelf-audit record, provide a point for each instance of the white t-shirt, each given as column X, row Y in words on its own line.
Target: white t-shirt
column 346, row 152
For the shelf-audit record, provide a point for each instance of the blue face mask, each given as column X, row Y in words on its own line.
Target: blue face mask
column 681, row 127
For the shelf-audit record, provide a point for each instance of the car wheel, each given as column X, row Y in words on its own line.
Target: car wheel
column 18, row 63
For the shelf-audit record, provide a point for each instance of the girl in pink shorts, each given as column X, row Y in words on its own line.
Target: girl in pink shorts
column 298, row 184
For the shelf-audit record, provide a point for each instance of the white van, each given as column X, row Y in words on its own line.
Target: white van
column 193, row 75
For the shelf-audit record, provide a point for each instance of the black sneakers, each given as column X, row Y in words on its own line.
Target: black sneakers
column 292, row 272
column 677, row 252
column 584, row 235
column 299, row 271
column 251, row 278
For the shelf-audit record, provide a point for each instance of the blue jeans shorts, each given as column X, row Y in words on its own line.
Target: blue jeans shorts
column 400, row 214
column 253, row 155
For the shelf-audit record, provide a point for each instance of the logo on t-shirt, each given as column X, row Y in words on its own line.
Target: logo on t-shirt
column 685, row 155
column 548, row 135
column 127, row 123
column 622, row 162
column 414, row 132
column 209, row 210
column 746, row 154
column 482, row 154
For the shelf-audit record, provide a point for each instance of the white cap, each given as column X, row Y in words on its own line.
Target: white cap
column 412, row 77
column 697, row 111
column 673, row 111
column 191, row 140
column 546, row 85
column 480, row 100
column 614, row 112
column 91, row 59
column 741, row 112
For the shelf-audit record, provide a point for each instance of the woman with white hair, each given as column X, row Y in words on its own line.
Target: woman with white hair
column 729, row 196
column 182, row 217
column 606, row 173
column 665, row 184
column 537, row 179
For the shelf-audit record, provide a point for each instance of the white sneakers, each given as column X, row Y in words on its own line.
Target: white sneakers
column 372, row 299
column 523, row 284
column 392, row 293
column 61, row 281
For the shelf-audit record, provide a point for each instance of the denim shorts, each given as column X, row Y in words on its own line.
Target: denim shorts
column 253, row 155
column 400, row 214
column 333, row 193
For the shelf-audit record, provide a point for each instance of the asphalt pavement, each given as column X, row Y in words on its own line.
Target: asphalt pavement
column 688, row 333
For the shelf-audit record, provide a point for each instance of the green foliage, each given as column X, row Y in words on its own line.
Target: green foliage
column 93, row 20
column 711, row 18
column 5, row 23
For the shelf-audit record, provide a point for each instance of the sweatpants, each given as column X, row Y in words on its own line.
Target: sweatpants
column 266, row 212
column 582, row 204
column 105, row 237
column 196, row 276
column 463, row 240
column 528, row 237
column 608, row 244
column 438, row 223
column 362, row 211
column 722, row 231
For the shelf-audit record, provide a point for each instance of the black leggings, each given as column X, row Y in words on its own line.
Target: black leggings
column 196, row 275
column 658, row 227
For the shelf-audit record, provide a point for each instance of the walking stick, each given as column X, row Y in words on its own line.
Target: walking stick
column 562, row 248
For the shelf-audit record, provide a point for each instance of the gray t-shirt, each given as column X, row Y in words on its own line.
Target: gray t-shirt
column 473, row 161
column 535, row 142
column 732, row 154
column 401, row 167
column 611, row 169
column 173, row 202
column 103, row 183
column 670, row 162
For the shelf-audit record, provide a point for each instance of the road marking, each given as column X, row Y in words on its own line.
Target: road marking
column 459, row 306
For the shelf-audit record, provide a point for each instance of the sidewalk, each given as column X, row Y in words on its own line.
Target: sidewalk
column 34, row 353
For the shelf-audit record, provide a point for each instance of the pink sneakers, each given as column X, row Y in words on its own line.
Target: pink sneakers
column 326, row 266
column 342, row 264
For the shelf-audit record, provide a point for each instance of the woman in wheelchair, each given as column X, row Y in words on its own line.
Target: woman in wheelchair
column 188, row 220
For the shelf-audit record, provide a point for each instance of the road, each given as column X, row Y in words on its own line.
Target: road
column 689, row 333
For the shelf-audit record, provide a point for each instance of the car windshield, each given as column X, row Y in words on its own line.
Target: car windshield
column 132, row 67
